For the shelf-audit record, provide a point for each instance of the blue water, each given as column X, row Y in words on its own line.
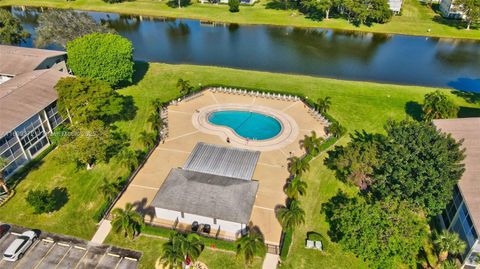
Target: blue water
column 251, row 125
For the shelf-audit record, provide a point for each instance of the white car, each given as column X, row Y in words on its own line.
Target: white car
column 19, row 246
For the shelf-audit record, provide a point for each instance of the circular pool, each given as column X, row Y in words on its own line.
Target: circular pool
column 247, row 124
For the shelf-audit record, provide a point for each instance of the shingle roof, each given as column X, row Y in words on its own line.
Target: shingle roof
column 222, row 161
column 213, row 196
column 26, row 95
column 467, row 129
column 17, row 60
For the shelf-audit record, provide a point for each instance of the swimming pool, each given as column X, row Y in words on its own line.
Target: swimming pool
column 251, row 125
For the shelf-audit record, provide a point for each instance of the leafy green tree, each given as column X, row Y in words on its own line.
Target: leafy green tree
column 234, row 5
column 3, row 183
column 367, row 11
column 103, row 56
column 297, row 166
column 449, row 264
column 355, row 162
column 156, row 121
column 315, row 7
column 292, row 216
column 148, row 139
column 91, row 144
column 386, row 234
column 11, row 29
column 295, row 188
column 437, row 105
column 336, row 130
column 41, row 201
column 312, row 143
column 419, row 164
column 128, row 158
column 127, row 221
column 109, row 189
column 250, row 245
column 178, row 247
column 85, row 100
column 323, row 104
column 448, row 243
column 471, row 10
column 184, row 87
column 58, row 26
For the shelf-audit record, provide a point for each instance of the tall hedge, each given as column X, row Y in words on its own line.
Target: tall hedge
column 107, row 57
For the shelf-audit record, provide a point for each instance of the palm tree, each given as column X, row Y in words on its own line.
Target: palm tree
column 312, row 143
column 250, row 245
column 157, row 104
column 292, row 216
column 148, row 139
column 297, row 166
column 184, row 87
column 171, row 254
column 155, row 121
column 449, row 264
column 109, row 189
column 3, row 183
column 179, row 248
column 128, row 158
column 336, row 129
column 127, row 220
column 295, row 188
column 323, row 104
column 448, row 243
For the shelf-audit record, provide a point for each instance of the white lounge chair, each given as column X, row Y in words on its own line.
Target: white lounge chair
column 310, row 244
column 318, row 245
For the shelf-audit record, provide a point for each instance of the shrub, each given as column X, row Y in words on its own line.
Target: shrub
column 41, row 201
column 113, row 1
column 107, row 57
column 287, row 241
column 234, row 5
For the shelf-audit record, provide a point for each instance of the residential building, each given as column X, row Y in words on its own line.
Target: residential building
column 450, row 10
column 462, row 215
column 395, row 6
column 28, row 111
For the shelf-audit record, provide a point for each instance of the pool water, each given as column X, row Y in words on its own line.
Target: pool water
column 251, row 125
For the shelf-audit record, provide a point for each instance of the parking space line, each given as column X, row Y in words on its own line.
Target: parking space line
column 64, row 255
column 100, row 260
column 83, row 257
column 118, row 263
column 46, row 254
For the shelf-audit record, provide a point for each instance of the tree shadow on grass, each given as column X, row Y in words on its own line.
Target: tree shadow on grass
column 470, row 97
column 60, row 196
column 414, row 110
column 183, row 3
column 468, row 112
column 140, row 69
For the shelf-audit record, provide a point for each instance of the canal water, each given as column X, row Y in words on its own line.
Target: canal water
column 320, row 52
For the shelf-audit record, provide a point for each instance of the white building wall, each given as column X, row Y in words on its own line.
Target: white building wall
column 230, row 227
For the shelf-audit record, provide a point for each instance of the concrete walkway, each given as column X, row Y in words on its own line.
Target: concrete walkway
column 270, row 261
column 102, row 232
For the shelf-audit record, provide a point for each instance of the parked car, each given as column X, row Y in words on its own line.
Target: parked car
column 19, row 246
column 4, row 229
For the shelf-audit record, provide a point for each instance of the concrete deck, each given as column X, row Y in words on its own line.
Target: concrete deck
column 271, row 170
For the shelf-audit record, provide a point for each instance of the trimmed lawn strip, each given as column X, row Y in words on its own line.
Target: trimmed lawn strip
column 356, row 105
column 416, row 18
column 150, row 248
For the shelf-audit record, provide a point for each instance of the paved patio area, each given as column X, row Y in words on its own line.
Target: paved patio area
column 271, row 170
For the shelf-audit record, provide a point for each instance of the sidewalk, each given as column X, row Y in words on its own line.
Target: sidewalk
column 102, row 232
column 270, row 261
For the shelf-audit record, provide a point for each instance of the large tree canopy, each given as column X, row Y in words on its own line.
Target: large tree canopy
column 437, row 105
column 85, row 100
column 471, row 9
column 419, row 164
column 58, row 26
column 11, row 30
column 107, row 57
column 386, row 234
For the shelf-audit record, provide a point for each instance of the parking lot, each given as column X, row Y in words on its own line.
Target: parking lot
column 58, row 251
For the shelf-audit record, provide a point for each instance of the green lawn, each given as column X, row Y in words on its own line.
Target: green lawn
column 150, row 248
column 416, row 18
column 357, row 105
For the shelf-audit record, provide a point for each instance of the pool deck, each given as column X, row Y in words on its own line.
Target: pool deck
column 271, row 170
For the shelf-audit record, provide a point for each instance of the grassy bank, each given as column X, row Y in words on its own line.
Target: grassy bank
column 416, row 18
column 357, row 105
